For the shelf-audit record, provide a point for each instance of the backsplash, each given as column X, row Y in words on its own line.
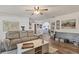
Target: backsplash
column 70, row 36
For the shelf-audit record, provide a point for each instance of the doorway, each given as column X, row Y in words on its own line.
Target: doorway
column 35, row 29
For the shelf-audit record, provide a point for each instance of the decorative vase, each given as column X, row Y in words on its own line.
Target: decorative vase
column 23, row 28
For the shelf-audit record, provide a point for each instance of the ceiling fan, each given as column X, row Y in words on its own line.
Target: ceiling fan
column 37, row 10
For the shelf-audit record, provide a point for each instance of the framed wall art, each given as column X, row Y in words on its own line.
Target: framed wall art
column 68, row 24
column 10, row 26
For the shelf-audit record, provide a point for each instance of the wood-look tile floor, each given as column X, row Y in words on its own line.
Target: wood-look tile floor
column 61, row 50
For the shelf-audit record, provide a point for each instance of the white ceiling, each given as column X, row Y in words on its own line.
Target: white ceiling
column 53, row 10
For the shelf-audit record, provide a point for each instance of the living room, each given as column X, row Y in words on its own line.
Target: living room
column 43, row 29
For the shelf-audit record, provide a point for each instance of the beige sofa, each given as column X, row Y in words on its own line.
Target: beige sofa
column 15, row 37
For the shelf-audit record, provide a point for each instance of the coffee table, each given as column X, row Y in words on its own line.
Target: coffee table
column 39, row 47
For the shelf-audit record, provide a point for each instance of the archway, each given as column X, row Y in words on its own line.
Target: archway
column 45, row 28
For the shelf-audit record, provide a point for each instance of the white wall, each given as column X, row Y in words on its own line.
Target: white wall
column 66, row 17
column 22, row 21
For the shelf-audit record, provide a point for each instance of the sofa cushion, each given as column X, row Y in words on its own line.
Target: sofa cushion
column 24, row 39
column 23, row 34
column 30, row 33
column 32, row 38
column 14, row 41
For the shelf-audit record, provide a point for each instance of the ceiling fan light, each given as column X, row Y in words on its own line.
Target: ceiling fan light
column 36, row 12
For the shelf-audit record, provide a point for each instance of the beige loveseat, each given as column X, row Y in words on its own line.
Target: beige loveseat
column 15, row 37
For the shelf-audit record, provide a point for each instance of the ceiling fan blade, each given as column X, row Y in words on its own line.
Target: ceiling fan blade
column 43, row 9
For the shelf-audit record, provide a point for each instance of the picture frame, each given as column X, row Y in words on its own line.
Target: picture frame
column 68, row 24
column 10, row 26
